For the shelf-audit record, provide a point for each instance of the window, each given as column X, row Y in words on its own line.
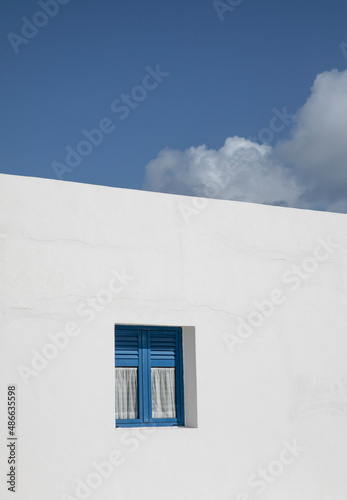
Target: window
column 149, row 376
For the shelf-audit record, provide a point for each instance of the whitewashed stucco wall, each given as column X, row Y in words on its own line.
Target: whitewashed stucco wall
column 283, row 385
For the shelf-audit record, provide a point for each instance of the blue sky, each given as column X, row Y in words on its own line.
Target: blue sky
column 225, row 74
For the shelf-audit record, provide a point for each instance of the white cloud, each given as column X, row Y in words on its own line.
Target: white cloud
column 240, row 170
column 318, row 147
column 309, row 170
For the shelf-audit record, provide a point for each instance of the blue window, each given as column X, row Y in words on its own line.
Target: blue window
column 149, row 376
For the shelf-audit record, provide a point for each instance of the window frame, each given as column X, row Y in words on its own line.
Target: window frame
column 144, row 365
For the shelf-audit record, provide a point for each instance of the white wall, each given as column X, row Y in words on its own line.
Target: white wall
column 60, row 242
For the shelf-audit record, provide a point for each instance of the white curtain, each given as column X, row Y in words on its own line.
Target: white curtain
column 126, row 393
column 163, row 393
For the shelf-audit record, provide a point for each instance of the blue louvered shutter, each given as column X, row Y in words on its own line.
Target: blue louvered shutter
column 127, row 347
column 165, row 360
column 128, row 373
column 163, row 348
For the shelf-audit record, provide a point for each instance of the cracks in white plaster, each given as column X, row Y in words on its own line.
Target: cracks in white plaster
column 24, row 235
column 70, row 240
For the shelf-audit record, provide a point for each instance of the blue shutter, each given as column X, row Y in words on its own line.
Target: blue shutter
column 128, row 354
column 163, row 348
column 127, row 347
